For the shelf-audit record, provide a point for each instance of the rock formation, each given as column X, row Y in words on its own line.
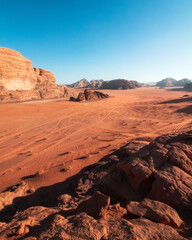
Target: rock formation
column 167, row 82
column 96, row 83
column 83, row 83
column 170, row 82
column 19, row 81
column 155, row 211
column 188, row 87
column 182, row 82
column 100, row 84
column 89, row 95
column 16, row 71
column 141, row 191
column 119, row 84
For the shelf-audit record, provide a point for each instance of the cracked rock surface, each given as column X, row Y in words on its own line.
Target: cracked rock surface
column 141, row 191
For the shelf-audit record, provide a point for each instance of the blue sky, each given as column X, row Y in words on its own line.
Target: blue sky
column 144, row 40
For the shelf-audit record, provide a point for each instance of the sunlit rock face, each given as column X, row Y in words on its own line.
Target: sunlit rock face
column 19, row 81
column 16, row 71
column 44, row 78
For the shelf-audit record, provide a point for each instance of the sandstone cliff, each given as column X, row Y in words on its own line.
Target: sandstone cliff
column 19, row 81
column 16, row 71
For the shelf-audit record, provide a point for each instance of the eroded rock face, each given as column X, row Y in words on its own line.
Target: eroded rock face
column 19, row 81
column 155, row 211
column 16, row 71
column 7, row 197
column 50, row 224
column 95, row 206
column 46, row 85
column 141, row 191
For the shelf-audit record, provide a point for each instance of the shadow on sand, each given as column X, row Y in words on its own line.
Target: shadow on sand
column 48, row 196
column 187, row 110
column 178, row 100
column 178, row 89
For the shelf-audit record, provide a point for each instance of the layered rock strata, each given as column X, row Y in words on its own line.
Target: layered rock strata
column 19, row 81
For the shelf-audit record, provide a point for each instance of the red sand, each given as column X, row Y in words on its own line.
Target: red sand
column 48, row 136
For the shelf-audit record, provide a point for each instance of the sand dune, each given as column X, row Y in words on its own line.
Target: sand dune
column 57, row 138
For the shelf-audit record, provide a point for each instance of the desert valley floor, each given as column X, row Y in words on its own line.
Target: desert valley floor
column 53, row 140
column 58, row 138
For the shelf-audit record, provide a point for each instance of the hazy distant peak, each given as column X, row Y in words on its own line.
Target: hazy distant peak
column 171, row 82
column 101, row 84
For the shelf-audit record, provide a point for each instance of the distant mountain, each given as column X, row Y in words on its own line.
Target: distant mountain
column 100, row 84
column 96, row 83
column 167, row 82
column 171, row 82
column 83, row 83
column 188, row 86
column 148, row 84
column 119, row 84
column 183, row 82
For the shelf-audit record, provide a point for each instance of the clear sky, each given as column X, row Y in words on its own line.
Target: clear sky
column 144, row 40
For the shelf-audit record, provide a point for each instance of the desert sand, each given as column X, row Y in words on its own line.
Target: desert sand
column 53, row 140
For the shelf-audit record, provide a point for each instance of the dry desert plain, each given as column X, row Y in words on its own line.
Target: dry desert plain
column 58, row 138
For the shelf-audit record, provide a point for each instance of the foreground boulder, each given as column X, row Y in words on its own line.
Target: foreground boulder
column 89, row 95
column 95, row 206
column 39, row 223
column 141, row 191
column 155, row 211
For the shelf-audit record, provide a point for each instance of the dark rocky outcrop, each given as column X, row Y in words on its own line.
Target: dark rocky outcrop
column 141, row 191
column 89, row 95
